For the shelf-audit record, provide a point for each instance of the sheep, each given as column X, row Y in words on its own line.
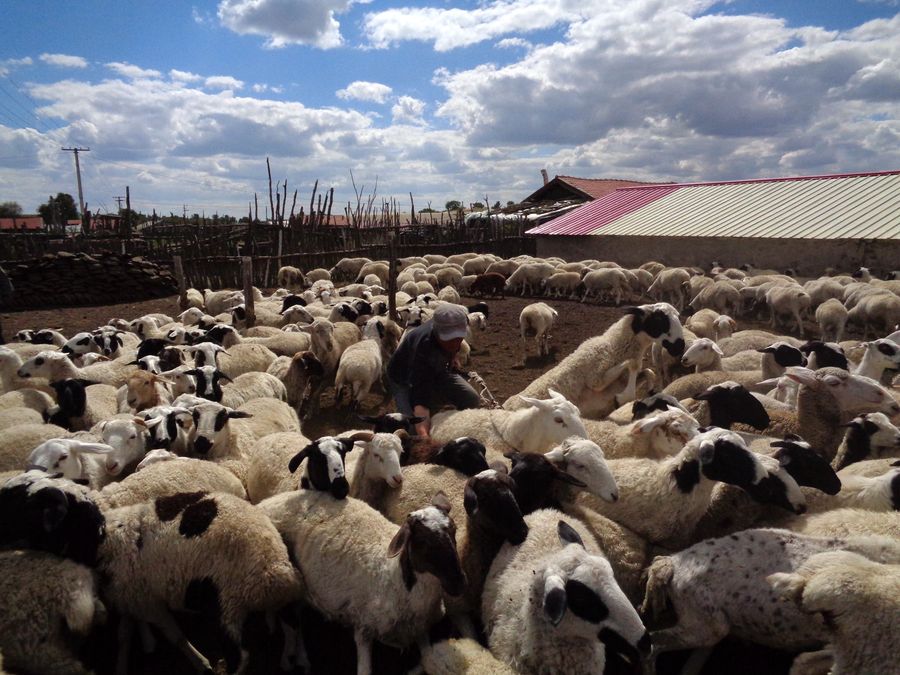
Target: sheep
column 79, row 460
column 668, row 286
column 492, row 284
column 823, row 289
column 57, row 366
column 10, row 362
column 348, row 268
column 243, row 388
column 80, row 406
column 379, row 268
column 329, row 341
column 847, row 522
column 824, row 354
column 874, row 493
column 584, row 374
column 128, row 439
column 298, row 373
column 720, row 296
column 702, row 322
column 876, row 312
column 879, row 356
column 175, row 552
column 743, row 340
column 718, row 587
column 280, row 343
column 788, row 301
column 49, row 606
column 869, row 436
column 562, row 284
column 290, row 278
column 613, row 283
column 449, row 294
column 362, row 364
column 409, row 566
column 831, row 316
column 166, row 427
column 221, row 433
column 827, row 396
column 858, row 599
column 685, row 482
column 531, row 587
column 461, row 655
column 529, row 277
column 143, row 390
column 13, row 416
column 17, row 442
column 268, row 461
column 536, row 428
column 656, row 437
column 244, row 358
column 536, row 320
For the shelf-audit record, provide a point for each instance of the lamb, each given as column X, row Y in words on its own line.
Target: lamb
column 876, row 312
column 461, row 655
column 169, row 554
column 705, row 355
column 831, row 316
column 362, row 364
column 743, row 340
column 718, row 587
column 789, row 300
column 409, row 566
column 529, row 277
column 846, row 523
column 874, row 493
column 49, row 606
column 348, row 268
column 377, row 467
column 57, row 366
column 531, row 588
column 280, row 342
column 143, row 390
column 243, row 388
column 879, row 356
column 539, row 427
column 684, row 483
column 583, row 375
column 488, row 284
column 79, row 460
column 81, row 407
column 869, row 436
column 300, row 373
column 858, row 598
column 536, row 320
column 17, row 442
column 721, row 296
column 245, row 358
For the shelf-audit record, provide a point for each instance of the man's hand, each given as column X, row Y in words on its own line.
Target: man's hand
column 423, row 428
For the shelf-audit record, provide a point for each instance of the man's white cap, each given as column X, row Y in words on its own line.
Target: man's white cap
column 450, row 321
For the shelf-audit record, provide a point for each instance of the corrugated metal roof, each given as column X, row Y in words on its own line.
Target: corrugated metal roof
column 815, row 207
column 588, row 188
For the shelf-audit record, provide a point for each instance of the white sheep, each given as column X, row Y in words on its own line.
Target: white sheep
column 858, row 597
column 49, row 606
column 536, row 320
column 537, row 428
column 547, row 601
column 361, row 364
column 721, row 296
column 790, row 300
column 584, row 375
column 874, row 493
column 655, row 436
column 57, row 366
column 869, row 436
column 718, row 587
column 879, row 356
column 528, row 277
column 562, row 284
column 461, row 655
column 669, row 286
column 290, row 278
column 17, row 442
column 610, row 284
column 340, row 569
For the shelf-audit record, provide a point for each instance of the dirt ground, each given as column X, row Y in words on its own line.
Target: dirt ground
column 497, row 355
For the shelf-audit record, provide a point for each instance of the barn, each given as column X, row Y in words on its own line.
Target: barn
column 807, row 223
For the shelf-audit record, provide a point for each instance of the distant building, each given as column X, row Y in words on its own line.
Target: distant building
column 807, row 223
column 28, row 223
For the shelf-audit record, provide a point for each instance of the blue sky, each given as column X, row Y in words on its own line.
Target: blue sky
column 447, row 100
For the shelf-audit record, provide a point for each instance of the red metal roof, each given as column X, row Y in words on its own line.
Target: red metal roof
column 617, row 213
column 604, row 210
column 589, row 188
column 22, row 223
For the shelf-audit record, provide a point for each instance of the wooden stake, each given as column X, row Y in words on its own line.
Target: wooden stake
column 247, row 271
column 182, row 286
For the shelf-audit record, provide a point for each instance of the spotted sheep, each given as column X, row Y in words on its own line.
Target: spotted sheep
column 224, row 559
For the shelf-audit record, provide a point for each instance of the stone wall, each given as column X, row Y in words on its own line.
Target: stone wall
column 809, row 257
column 78, row 279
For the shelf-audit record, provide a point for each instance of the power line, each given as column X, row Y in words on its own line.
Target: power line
column 31, row 111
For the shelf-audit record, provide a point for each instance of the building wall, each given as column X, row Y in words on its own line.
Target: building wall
column 808, row 257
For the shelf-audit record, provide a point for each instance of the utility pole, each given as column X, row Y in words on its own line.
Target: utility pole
column 75, row 151
column 128, row 223
column 119, row 202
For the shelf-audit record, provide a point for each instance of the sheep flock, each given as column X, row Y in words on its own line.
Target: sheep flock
column 680, row 485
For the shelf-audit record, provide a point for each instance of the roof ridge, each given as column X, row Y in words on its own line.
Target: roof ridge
column 777, row 179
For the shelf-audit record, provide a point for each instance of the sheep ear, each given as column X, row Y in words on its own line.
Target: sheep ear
column 222, row 376
column 89, row 448
column 561, row 475
column 803, row 376
column 555, row 599
column 536, row 402
column 238, row 414
column 717, row 349
column 514, row 456
column 399, row 542
column 568, row 535
column 555, row 394
column 402, row 434
column 440, row 502
column 361, row 436
column 470, row 500
column 140, row 421
column 348, row 443
column 297, row 459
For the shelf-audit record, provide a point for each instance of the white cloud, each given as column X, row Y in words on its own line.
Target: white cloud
column 184, row 76
column 286, row 22
column 453, row 28
column 9, row 64
column 365, row 91
column 132, row 71
column 513, row 43
column 408, row 110
column 223, row 82
column 64, row 60
column 261, row 88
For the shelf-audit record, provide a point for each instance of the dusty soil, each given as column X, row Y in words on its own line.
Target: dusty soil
column 499, row 357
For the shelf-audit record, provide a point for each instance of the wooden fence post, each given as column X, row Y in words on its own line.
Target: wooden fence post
column 247, row 271
column 392, row 279
column 182, row 286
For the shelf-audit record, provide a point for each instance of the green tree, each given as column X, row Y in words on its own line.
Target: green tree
column 61, row 208
column 453, row 205
column 10, row 209
column 478, row 205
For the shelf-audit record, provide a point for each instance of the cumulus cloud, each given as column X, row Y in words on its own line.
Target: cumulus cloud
column 223, row 82
column 452, row 28
column 64, row 60
column 10, row 64
column 513, row 43
column 286, row 22
column 184, row 76
column 364, row 91
column 408, row 110
column 261, row 88
column 133, row 72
